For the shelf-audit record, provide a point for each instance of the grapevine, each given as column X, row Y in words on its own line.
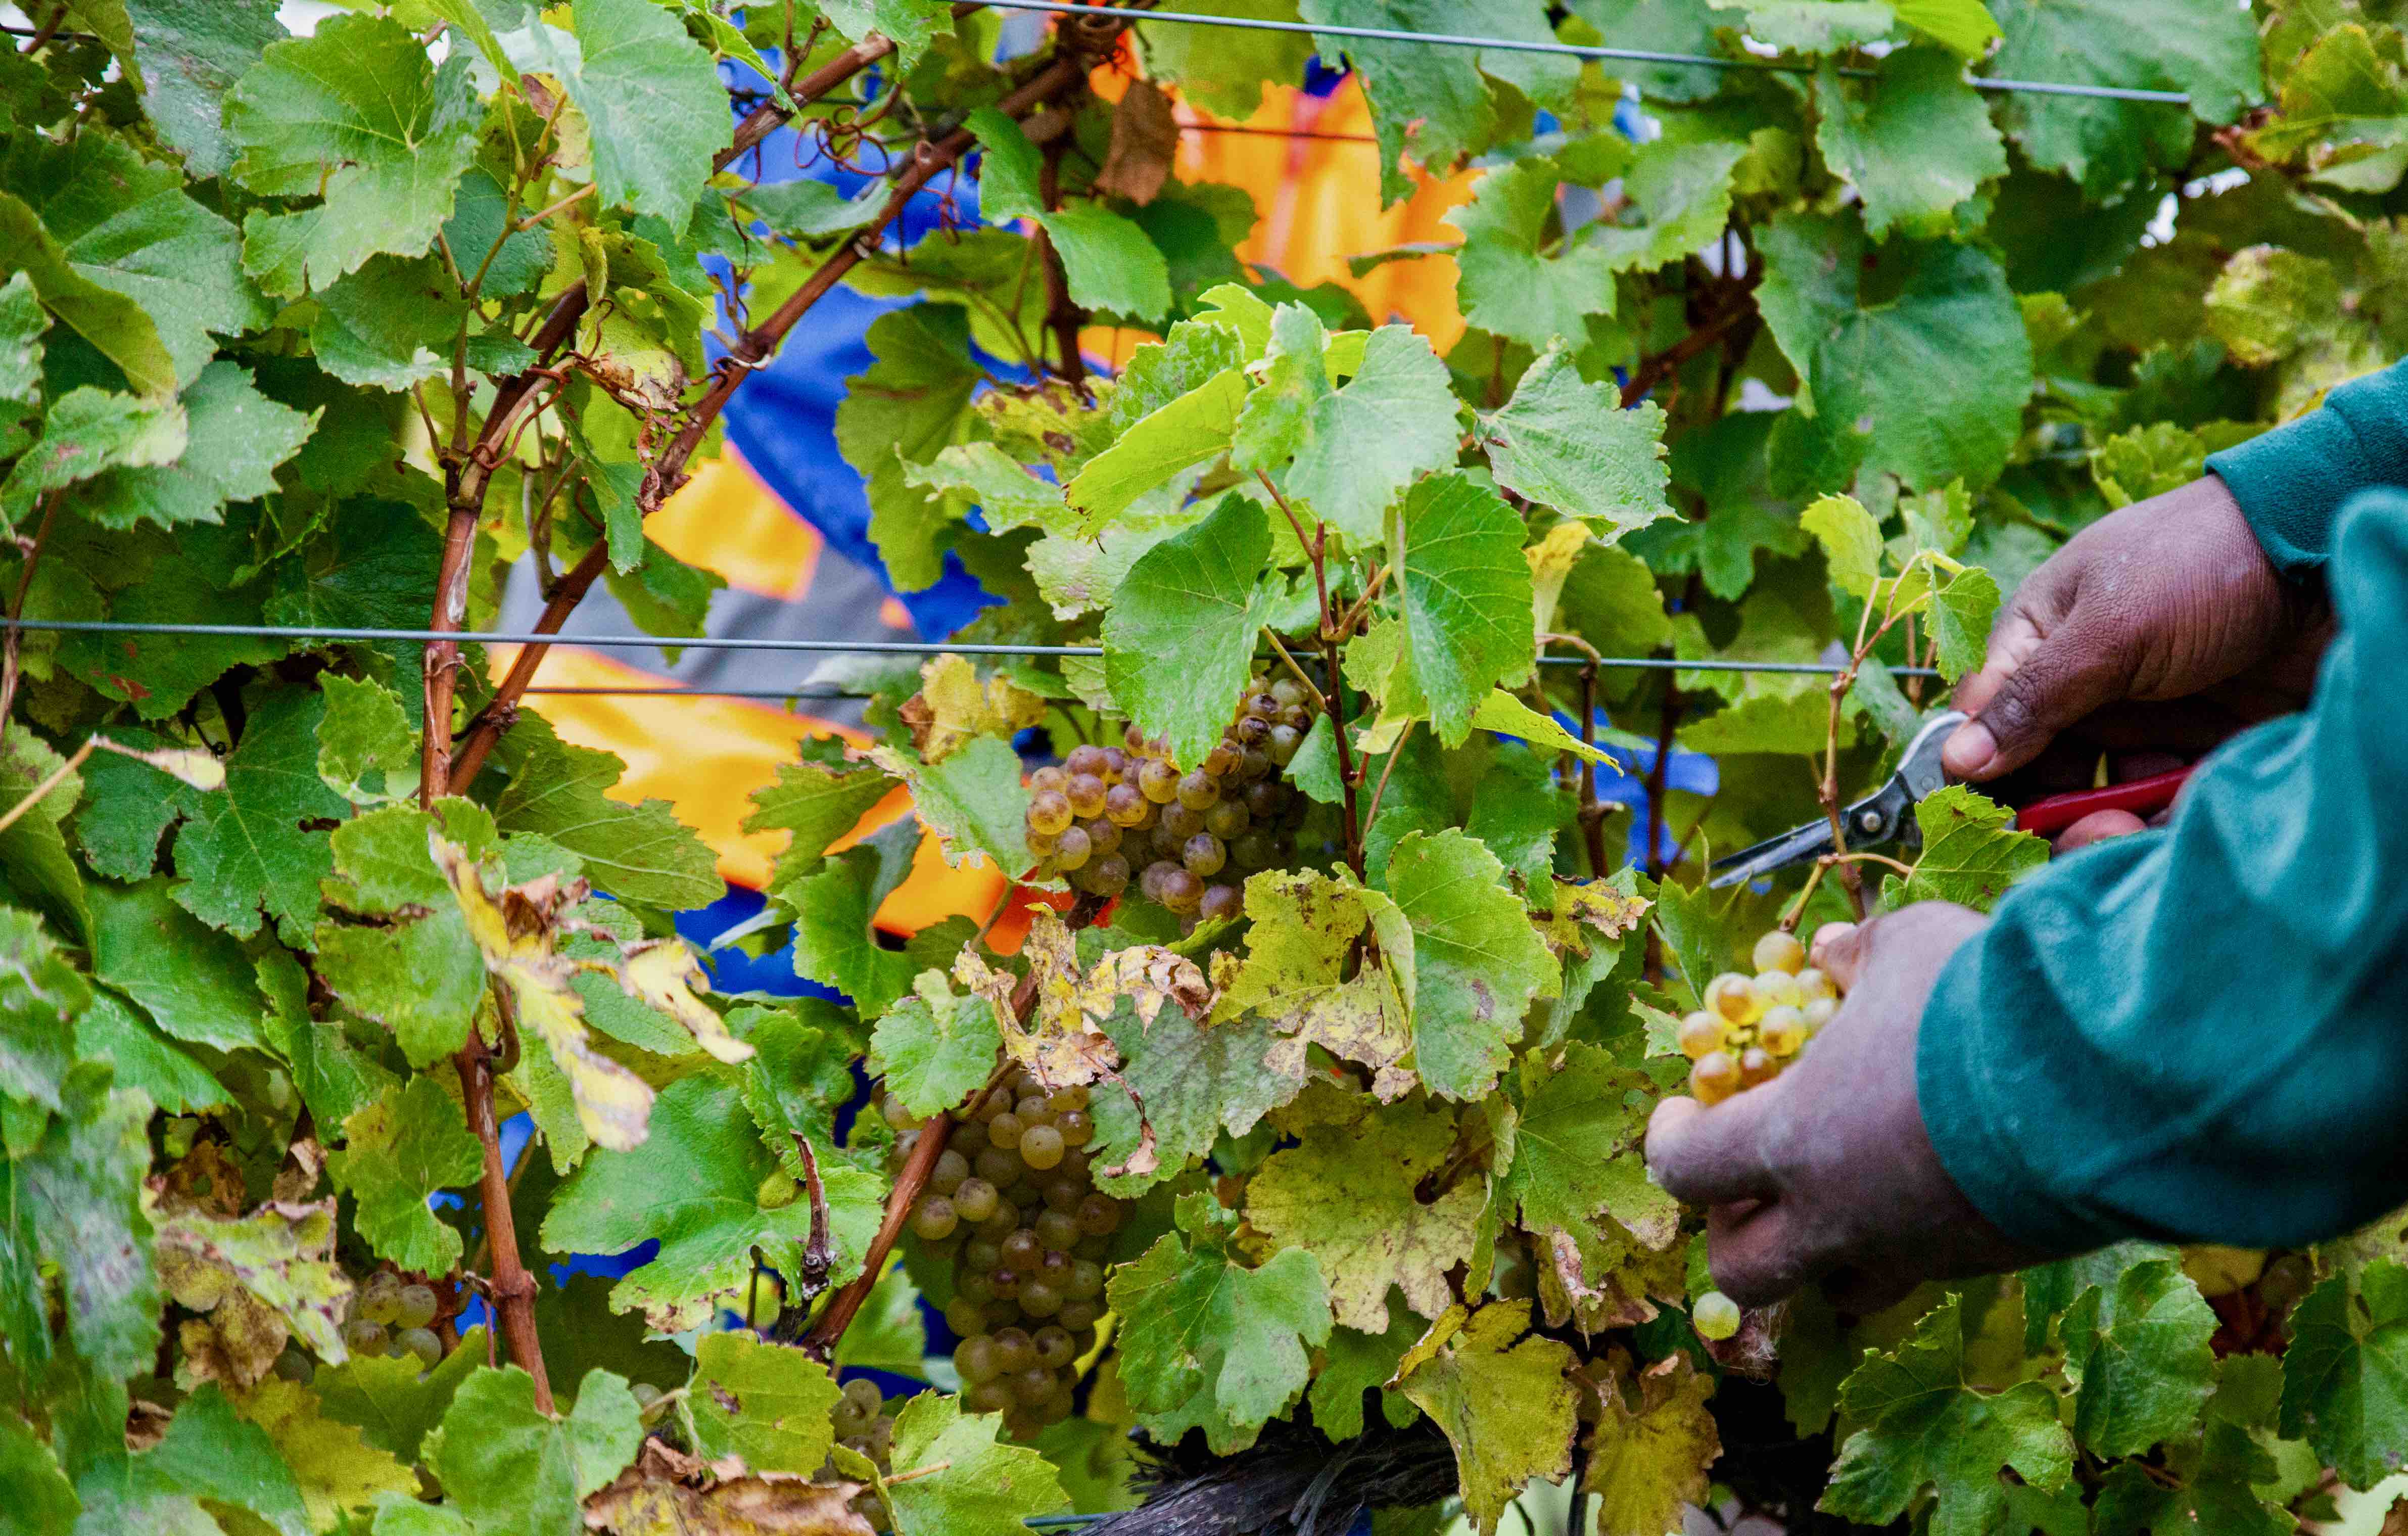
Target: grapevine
column 1384, row 644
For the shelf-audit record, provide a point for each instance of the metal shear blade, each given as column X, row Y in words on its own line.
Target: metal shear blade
column 1885, row 815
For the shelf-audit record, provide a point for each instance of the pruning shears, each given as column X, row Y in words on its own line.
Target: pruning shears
column 1887, row 814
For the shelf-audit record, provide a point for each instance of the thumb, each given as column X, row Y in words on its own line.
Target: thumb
column 2026, row 694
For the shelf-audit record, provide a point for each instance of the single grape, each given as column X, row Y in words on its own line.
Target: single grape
column 364, row 1335
column 1299, row 716
column 381, row 1300
column 1085, row 759
column 1782, row 1030
column 1041, row 1146
column 1733, row 996
column 1013, row 1350
column 1049, row 812
column 417, row 1306
column 1715, row 1315
column 421, row 1343
column 1221, row 902
column 1282, row 744
column 1086, row 1281
column 1227, row 820
column 1701, row 1032
column 1266, row 799
column 1150, row 883
column 1053, row 1348
column 864, row 1394
column 1099, row 1215
column 1250, row 732
column 1778, row 951
column 1049, row 777
column 645, row 1394
column 1288, row 691
column 998, row 1166
column 1072, row 850
column 969, row 1139
column 1204, row 854
column 1756, row 1066
column 1818, row 1012
column 1005, row 1131
column 1780, row 990
column 973, row 1199
column 1182, row 892
column 1041, row 844
column 1000, row 1226
column 989, row 1397
column 1124, row 806
column 1117, row 764
column 1057, row 1231
column 1200, row 791
column 975, row 1359
column 951, row 1170
column 934, row 1220
column 1714, row 1077
column 1076, row 1128
column 1075, row 1097
column 1220, row 759
column 1085, row 792
column 1077, row 1315
column 294, row 1366
column 1256, row 850
column 1256, row 764
column 1040, row 1300
column 1160, row 780
column 971, row 1285
column 1006, row 1283
column 1816, row 983
column 1167, row 842
column 1022, row 1250
column 1264, row 706
column 1133, row 736
column 1107, row 876
column 1103, row 835
column 1180, row 823
column 1074, row 1165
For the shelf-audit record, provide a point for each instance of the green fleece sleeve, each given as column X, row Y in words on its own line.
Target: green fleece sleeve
column 2202, row 1031
column 2291, row 481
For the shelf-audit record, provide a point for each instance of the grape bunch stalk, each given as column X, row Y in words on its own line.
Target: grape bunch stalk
column 1105, row 812
column 1749, row 1027
column 1012, row 1204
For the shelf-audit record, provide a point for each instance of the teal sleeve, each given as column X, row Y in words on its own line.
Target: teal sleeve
column 2291, row 481
column 2202, row 1031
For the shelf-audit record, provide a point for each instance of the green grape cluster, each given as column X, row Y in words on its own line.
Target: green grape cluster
column 388, row 1314
column 1012, row 1203
column 1106, row 812
column 1750, row 1026
column 864, row 1424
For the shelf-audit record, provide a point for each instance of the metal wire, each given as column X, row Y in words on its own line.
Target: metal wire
column 737, row 642
column 1574, row 50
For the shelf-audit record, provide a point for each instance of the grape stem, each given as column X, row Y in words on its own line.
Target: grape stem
column 511, row 1289
column 1333, row 634
column 1592, row 810
column 1371, row 812
column 1319, row 705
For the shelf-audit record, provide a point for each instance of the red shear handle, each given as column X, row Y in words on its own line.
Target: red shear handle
column 2140, row 796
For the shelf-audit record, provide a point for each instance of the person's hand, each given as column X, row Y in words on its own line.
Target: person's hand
column 2161, row 627
column 1827, row 1171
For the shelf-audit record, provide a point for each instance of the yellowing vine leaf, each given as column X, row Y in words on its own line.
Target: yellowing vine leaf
column 1498, row 1391
column 952, row 705
column 658, row 973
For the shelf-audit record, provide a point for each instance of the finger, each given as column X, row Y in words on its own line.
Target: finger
column 2017, row 636
column 1754, row 1254
column 2098, row 826
column 1838, row 951
column 1709, row 1157
column 2063, row 677
column 1856, row 1292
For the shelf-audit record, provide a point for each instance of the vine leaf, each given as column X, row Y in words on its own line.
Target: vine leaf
column 396, row 1152
column 1190, row 429
column 1352, row 449
column 507, row 1466
column 2137, row 1353
column 909, row 404
column 834, row 909
column 73, row 1200
column 40, row 995
column 1925, row 1426
column 2345, row 1374
column 358, row 115
column 1211, row 1342
column 332, row 1464
column 973, row 801
column 1971, row 851
column 1960, row 614
column 1178, row 637
column 1477, row 962
column 207, row 1454
column 694, row 1188
column 1498, row 1391
column 190, row 56
column 393, row 1402
column 1304, row 929
column 249, row 847
column 367, row 749
column 1108, row 262
column 1654, row 1440
column 1349, row 1195
column 1506, row 287
column 418, row 972
column 2104, row 144
column 1352, row 1364
column 637, row 852
column 1576, row 1175
column 1466, row 597
column 256, row 1279
column 818, row 803
column 936, row 1047
column 764, row 1402
column 652, row 97
column 952, row 1477
column 1915, row 143
column 1566, row 443
column 234, row 438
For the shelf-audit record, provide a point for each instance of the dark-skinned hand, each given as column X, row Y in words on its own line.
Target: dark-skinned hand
column 2153, row 634
column 1826, row 1172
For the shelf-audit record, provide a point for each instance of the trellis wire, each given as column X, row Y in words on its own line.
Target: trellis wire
column 1574, row 51
column 738, row 642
